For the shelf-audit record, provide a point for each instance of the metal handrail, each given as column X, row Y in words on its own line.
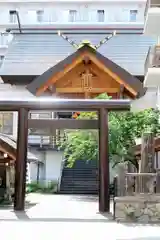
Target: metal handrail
column 46, row 140
column 115, row 193
column 60, row 176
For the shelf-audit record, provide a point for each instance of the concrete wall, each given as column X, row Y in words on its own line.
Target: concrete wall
column 50, row 171
column 53, row 165
column 50, row 167
column 149, row 100
column 33, row 166
column 33, row 171
column 115, row 11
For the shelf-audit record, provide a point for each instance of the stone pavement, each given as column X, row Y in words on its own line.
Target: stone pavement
column 66, row 217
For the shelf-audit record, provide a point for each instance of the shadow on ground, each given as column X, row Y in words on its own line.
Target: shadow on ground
column 130, row 224
column 23, row 216
column 85, row 198
column 28, row 205
column 141, row 238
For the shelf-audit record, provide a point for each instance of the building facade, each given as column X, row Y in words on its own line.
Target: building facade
column 72, row 12
column 152, row 65
column 30, row 46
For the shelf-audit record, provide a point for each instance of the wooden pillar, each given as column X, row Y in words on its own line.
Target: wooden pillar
column 121, row 91
column 156, row 159
column 147, row 153
column 21, row 160
column 147, row 160
column 121, row 180
column 104, row 198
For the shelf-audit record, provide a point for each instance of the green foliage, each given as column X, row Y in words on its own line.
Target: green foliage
column 35, row 187
column 124, row 128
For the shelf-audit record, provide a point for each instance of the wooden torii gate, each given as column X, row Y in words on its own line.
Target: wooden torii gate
column 101, row 106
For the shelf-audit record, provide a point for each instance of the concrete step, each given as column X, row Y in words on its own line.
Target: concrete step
column 81, row 178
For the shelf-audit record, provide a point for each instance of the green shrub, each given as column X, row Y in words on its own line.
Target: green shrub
column 50, row 187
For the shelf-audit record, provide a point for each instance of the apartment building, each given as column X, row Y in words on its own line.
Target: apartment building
column 152, row 29
column 71, row 12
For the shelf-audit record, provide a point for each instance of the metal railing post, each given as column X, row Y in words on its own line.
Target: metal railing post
column 115, row 193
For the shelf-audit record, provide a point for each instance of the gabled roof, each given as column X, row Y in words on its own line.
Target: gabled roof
column 34, row 53
column 9, row 145
column 130, row 82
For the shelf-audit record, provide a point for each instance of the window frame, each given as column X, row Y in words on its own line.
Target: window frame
column 40, row 16
column 40, row 115
column 73, row 18
column 100, row 15
column 6, row 122
column 133, row 15
column 12, row 17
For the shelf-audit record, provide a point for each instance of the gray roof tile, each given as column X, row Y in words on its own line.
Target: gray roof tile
column 32, row 54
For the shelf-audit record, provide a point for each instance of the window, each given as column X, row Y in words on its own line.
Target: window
column 100, row 15
column 12, row 16
column 133, row 15
column 41, row 115
column 72, row 16
column 6, row 123
column 40, row 14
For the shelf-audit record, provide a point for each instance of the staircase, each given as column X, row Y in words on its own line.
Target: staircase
column 82, row 178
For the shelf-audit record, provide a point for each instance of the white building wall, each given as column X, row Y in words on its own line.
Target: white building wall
column 15, row 124
column 115, row 11
column 53, row 165
column 34, row 166
column 33, row 171
column 149, row 100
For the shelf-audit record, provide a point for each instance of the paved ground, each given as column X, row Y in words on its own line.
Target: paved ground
column 49, row 217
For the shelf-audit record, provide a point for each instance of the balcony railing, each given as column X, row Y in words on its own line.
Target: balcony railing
column 49, row 141
column 151, row 4
column 48, row 115
column 153, row 58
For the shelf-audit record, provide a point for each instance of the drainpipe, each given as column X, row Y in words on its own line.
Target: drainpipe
column 38, row 170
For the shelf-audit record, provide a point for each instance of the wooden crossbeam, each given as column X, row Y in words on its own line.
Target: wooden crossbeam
column 54, row 124
column 60, row 74
column 92, row 90
column 101, row 66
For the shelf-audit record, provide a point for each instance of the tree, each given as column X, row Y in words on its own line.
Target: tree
column 124, row 128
